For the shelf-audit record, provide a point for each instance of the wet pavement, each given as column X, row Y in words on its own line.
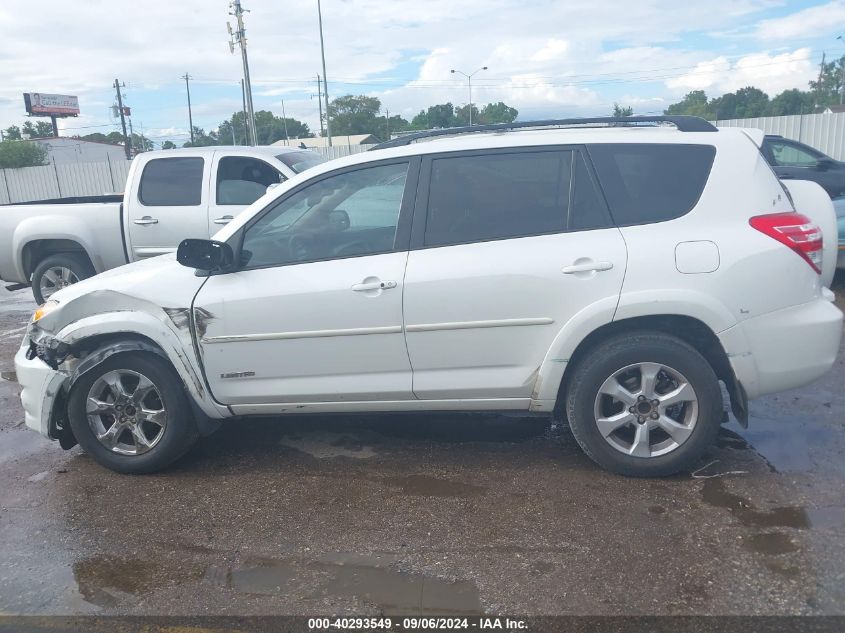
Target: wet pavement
column 408, row 514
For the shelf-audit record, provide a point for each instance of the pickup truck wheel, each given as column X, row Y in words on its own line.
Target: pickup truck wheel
column 131, row 414
column 644, row 405
column 58, row 271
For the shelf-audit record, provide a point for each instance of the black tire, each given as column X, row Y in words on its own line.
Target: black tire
column 180, row 432
column 619, row 352
column 78, row 264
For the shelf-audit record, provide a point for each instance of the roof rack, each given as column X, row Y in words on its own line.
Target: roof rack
column 682, row 122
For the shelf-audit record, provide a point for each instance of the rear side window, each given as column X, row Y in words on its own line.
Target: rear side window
column 172, row 182
column 486, row 197
column 646, row 183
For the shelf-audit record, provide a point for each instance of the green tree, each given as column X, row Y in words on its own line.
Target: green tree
column 791, row 102
column 497, row 113
column 168, row 145
column 462, row 115
column 694, row 104
column 436, row 116
column 141, row 143
column 745, row 103
column 355, row 114
column 620, row 111
column 201, row 139
column 268, row 127
column 826, row 92
column 12, row 133
column 41, row 129
column 22, row 154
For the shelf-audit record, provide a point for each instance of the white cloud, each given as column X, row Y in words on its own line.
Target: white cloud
column 811, row 22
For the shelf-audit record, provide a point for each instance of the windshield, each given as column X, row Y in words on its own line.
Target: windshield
column 300, row 161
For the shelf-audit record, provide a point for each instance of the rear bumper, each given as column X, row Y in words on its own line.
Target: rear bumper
column 40, row 387
column 784, row 349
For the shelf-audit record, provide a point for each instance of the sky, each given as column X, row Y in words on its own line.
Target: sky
column 546, row 58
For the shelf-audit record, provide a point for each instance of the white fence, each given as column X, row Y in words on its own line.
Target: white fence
column 339, row 151
column 825, row 132
column 61, row 181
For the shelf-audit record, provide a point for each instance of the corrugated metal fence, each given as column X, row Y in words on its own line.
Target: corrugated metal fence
column 60, row 181
column 825, row 132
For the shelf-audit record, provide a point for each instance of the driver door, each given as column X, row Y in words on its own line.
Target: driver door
column 315, row 313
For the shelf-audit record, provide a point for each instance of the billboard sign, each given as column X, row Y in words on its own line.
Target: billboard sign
column 39, row 103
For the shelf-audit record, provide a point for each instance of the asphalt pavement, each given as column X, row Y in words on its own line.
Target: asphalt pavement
column 460, row 514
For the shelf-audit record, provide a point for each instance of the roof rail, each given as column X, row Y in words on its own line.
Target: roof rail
column 684, row 123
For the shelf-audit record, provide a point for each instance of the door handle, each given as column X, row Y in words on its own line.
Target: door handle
column 586, row 267
column 374, row 285
column 223, row 219
column 146, row 220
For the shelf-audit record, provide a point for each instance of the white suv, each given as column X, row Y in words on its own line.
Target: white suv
column 611, row 272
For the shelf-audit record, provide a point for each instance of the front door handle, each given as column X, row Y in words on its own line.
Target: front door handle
column 373, row 285
column 586, row 267
column 146, row 220
column 225, row 219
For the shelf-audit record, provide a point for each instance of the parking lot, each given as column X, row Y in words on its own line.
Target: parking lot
column 425, row 513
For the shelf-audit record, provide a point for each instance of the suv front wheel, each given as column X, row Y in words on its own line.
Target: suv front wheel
column 644, row 404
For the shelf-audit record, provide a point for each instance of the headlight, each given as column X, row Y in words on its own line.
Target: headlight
column 44, row 309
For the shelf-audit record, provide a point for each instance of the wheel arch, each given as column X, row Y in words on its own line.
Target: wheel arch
column 36, row 251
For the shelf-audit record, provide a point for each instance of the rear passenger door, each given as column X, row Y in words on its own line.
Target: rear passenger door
column 168, row 204
column 507, row 246
column 238, row 182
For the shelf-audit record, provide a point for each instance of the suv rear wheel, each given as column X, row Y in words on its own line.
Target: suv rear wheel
column 131, row 414
column 644, row 404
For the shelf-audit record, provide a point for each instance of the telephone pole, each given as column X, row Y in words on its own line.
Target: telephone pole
column 239, row 37
column 325, row 79
column 246, row 125
column 819, row 84
column 285, row 120
column 126, row 145
column 187, row 78
column 320, row 104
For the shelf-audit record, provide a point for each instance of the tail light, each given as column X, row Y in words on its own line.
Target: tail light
column 796, row 231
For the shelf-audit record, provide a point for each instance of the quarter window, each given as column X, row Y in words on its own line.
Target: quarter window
column 646, row 183
column 172, row 182
column 486, row 197
column 347, row 215
column 787, row 154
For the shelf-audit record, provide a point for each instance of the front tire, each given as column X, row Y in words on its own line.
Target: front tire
column 644, row 404
column 58, row 271
column 131, row 414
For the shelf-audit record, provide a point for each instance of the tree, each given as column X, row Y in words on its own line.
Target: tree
column 168, row 145
column 15, row 154
column 41, row 129
column 141, row 143
column 354, row 114
column 620, row 111
column 745, row 103
column 497, row 113
column 12, row 133
column 462, row 115
column 436, row 116
column 791, row 102
column 201, row 139
column 694, row 104
column 827, row 91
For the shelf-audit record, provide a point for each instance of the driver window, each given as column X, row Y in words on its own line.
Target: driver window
column 348, row 215
column 788, row 154
column 243, row 180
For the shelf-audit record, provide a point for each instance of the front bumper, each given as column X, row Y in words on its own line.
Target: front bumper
column 40, row 389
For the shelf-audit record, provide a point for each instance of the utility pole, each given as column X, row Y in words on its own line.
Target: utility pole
column 239, row 38
column 325, row 79
column 387, row 123
column 187, row 78
column 819, row 84
column 126, row 146
column 246, row 125
column 131, row 136
column 320, row 104
column 285, row 120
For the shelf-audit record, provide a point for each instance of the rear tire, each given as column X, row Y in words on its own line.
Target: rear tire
column 131, row 414
column 644, row 404
column 58, row 271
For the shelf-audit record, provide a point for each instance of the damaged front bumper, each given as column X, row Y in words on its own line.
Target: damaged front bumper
column 42, row 390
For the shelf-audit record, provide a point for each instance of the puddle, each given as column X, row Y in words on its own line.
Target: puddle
column 329, row 445
column 8, row 375
column 425, row 486
column 105, row 581
column 716, row 494
column 770, row 543
column 366, row 578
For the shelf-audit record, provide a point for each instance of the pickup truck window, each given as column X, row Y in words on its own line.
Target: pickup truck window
column 347, row 215
column 172, row 182
column 243, row 180
column 300, row 161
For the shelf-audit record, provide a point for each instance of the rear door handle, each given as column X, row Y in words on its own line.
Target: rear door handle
column 146, row 220
column 374, row 285
column 223, row 219
column 586, row 267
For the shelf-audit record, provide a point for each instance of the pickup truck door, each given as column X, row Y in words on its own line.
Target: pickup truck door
column 168, row 202
column 238, row 181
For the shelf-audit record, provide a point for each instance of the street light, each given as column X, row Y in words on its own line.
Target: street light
column 469, row 84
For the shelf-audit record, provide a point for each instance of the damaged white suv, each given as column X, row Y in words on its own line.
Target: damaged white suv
column 609, row 271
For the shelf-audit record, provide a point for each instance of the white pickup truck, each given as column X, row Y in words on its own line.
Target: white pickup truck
column 170, row 195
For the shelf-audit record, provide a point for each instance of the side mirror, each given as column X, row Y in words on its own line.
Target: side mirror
column 339, row 220
column 823, row 164
column 205, row 255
